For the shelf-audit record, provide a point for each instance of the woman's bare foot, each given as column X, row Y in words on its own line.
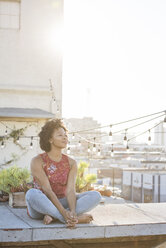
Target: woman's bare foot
column 47, row 219
column 85, row 218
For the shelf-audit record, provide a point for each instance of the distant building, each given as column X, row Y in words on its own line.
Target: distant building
column 78, row 140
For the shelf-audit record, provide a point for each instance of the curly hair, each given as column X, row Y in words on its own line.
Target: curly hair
column 47, row 132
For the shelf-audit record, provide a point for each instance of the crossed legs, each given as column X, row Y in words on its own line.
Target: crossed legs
column 39, row 206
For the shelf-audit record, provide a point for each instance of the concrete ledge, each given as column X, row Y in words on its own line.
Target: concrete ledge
column 112, row 221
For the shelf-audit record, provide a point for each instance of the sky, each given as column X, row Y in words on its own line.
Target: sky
column 114, row 59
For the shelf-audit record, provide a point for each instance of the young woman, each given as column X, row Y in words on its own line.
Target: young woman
column 54, row 174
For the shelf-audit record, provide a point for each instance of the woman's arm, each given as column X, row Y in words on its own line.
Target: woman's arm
column 70, row 192
column 41, row 178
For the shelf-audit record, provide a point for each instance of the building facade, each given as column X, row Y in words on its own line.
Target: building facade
column 30, row 72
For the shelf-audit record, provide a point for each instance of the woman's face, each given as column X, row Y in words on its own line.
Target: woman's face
column 59, row 138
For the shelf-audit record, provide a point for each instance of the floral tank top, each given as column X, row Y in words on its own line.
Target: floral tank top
column 57, row 173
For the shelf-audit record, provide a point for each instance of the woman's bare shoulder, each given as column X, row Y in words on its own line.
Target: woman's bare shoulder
column 36, row 161
column 72, row 162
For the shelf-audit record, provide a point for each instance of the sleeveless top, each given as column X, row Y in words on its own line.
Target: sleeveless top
column 57, row 173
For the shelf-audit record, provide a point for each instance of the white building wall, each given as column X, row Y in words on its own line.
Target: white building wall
column 32, row 55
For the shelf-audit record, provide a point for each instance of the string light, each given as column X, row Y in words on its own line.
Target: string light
column 112, row 151
column 88, row 148
column 79, row 143
column 94, row 146
column 127, row 148
column 18, row 139
column 68, row 150
column 125, row 139
column 149, row 139
column 6, row 132
column 2, row 144
column 110, row 133
column 31, row 144
column 98, row 152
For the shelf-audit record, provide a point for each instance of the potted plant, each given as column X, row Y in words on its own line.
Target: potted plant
column 83, row 182
column 14, row 181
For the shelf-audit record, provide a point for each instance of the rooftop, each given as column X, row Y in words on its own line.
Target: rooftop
column 127, row 223
column 24, row 113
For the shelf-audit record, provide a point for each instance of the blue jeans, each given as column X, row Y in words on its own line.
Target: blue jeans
column 39, row 205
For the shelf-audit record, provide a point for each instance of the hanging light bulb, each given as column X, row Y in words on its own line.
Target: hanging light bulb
column 2, row 144
column 6, row 132
column 164, row 122
column 18, row 139
column 68, row 150
column 127, row 148
column 88, row 148
column 112, row 151
column 149, row 139
column 31, row 144
column 94, row 147
column 125, row 139
column 73, row 137
column 110, row 133
column 79, row 143
column 98, row 152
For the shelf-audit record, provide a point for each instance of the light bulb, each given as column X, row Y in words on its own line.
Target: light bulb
column 31, row 144
column 79, row 143
column 112, row 151
column 73, row 137
column 6, row 132
column 98, row 153
column 149, row 140
column 2, row 144
column 94, row 148
column 125, row 140
column 18, row 140
column 88, row 149
column 68, row 150
column 110, row 133
column 127, row 148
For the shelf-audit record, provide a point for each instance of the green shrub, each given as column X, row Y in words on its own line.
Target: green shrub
column 83, row 182
column 14, row 179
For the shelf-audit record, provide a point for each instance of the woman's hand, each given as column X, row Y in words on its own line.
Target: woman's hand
column 70, row 218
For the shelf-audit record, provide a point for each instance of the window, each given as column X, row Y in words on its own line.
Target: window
column 9, row 14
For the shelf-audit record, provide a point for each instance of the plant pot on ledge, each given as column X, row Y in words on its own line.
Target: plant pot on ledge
column 17, row 199
column 14, row 181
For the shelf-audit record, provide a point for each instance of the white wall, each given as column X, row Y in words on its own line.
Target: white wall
column 24, row 154
column 29, row 57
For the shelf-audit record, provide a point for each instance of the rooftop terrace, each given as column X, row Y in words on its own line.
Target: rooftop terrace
column 115, row 225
